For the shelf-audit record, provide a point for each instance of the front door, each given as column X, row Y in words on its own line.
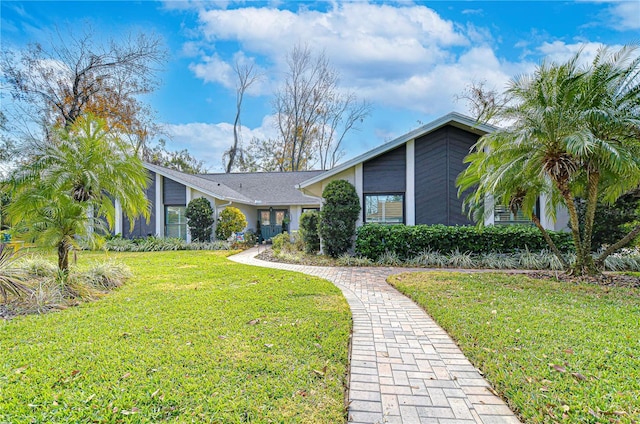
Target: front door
column 271, row 221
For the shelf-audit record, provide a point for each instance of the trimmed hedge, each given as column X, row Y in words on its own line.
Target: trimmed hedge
column 374, row 240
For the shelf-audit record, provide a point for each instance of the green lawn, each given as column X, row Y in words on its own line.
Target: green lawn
column 192, row 337
column 558, row 352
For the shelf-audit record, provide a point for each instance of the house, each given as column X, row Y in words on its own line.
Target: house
column 409, row 180
column 412, row 179
column 267, row 199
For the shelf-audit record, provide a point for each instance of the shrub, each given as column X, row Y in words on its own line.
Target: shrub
column 200, row 219
column 231, row 221
column 281, row 242
column 309, row 230
column 373, row 240
column 338, row 217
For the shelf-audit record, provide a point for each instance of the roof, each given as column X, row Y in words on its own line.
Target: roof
column 455, row 119
column 275, row 188
column 256, row 188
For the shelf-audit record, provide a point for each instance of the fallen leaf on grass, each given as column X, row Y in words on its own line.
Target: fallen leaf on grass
column 579, row 376
column 154, row 394
column 254, row 321
column 268, row 345
column 321, row 373
column 568, row 351
column 125, row 375
column 558, row 368
column 21, row 369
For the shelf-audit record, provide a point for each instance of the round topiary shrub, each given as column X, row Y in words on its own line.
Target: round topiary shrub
column 200, row 219
column 309, row 230
column 231, row 220
column 338, row 217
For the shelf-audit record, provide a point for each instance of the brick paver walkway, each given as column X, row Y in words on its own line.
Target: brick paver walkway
column 404, row 367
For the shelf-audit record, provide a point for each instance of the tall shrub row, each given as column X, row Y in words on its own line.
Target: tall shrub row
column 408, row 241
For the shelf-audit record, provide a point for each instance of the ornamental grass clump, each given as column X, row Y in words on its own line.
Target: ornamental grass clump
column 107, row 276
column 496, row 260
column 12, row 277
column 459, row 259
column 430, row 258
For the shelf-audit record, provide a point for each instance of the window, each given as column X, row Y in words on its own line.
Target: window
column 503, row 216
column 384, row 208
column 310, row 210
column 175, row 222
column 265, row 218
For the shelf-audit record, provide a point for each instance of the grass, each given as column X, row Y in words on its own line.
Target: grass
column 192, row 337
column 557, row 352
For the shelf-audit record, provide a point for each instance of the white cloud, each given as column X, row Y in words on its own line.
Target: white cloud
column 389, row 37
column 214, row 69
column 207, row 142
column 625, row 15
column 559, row 51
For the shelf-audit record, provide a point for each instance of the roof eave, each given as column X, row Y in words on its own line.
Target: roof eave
column 182, row 181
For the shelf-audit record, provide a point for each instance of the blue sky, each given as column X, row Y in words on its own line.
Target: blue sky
column 409, row 59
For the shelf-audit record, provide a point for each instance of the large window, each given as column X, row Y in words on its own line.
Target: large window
column 384, row 208
column 175, row 222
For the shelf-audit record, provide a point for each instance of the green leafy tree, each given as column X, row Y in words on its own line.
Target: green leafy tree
column 574, row 132
column 231, row 220
column 338, row 217
column 68, row 190
column 200, row 219
column 309, row 229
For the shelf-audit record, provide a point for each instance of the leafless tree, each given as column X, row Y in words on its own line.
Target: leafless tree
column 341, row 115
column 247, row 75
column 312, row 115
column 483, row 102
column 77, row 74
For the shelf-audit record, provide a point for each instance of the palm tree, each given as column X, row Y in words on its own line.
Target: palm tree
column 574, row 132
column 68, row 190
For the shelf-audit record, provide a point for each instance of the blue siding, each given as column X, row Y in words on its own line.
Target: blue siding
column 141, row 227
column 386, row 173
column 173, row 193
column 439, row 160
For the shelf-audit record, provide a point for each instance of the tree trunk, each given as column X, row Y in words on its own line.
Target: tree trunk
column 63, row 257
column 578, row 267
column 623, row 242
column 592, row 201
column 588, row 266
column 550, row 242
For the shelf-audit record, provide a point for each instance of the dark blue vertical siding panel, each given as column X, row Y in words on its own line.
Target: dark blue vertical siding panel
column 142, row 228
column 173, row 193
column 430, row 178
column 386, row 173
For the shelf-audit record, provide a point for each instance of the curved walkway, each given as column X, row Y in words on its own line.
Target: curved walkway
column 404, row 368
